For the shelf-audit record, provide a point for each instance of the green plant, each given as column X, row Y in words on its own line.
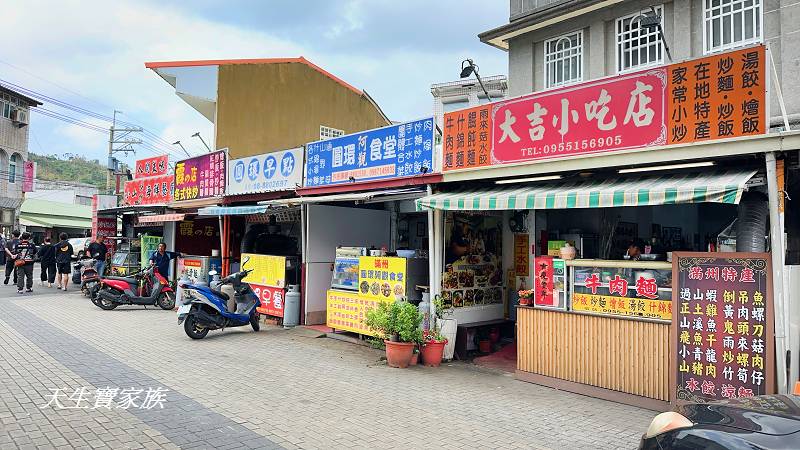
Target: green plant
column 400, row 319
column 440, row 310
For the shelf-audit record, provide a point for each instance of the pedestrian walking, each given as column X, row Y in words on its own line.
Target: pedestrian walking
column 47, row 260
column 26, row 255
column 10, row 250
column 98, row 250
column 64, row 252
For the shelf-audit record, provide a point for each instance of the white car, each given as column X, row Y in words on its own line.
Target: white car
column 79, row 246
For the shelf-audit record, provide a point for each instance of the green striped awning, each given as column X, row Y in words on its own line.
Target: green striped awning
column 709, row 186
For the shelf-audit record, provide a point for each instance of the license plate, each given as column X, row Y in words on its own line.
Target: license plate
column 184, row 309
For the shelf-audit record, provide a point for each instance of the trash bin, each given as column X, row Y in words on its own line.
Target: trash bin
column 291, row 307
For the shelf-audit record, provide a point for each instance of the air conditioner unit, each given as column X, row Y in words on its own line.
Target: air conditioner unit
column 19, row 117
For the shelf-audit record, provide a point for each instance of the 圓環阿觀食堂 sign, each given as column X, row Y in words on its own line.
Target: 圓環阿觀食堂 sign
column 722, row 327
column 402, row 150
column 714, row 97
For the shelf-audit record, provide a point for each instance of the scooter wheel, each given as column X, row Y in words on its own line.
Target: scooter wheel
column 166, row 300
column 255, row 321
column 107, row 305
column 192, row 329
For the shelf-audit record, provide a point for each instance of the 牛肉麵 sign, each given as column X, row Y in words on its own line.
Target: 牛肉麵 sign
column 722, row 326
column 715, row 97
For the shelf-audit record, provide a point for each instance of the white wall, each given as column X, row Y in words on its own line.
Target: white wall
column 328, row 227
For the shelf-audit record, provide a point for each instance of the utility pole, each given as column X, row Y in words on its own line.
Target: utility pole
column 119, row 140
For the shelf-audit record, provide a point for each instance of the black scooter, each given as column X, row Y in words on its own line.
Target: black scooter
column 146, row 287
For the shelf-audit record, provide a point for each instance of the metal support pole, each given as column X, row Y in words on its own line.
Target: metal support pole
column 778, row 258
column 431, row 258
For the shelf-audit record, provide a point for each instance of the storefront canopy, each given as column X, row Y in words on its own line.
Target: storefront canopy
column 231, row 210
column 369, row 196
column 709, row 186
column 160, row 218
column 47, row 214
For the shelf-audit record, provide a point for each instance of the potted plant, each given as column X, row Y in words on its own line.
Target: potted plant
column 482, row 339
column 397, row 322
column 525, row 297
column 445, row 325
column 432, row 348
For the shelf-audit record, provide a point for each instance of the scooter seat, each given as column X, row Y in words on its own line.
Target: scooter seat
column 128, row 279
column 221, row 294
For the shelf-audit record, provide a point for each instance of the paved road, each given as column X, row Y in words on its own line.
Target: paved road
column 272, row 389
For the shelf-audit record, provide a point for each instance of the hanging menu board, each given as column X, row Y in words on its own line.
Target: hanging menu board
column 722, row 326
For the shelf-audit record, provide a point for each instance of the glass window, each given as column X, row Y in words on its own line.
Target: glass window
column 563, row 60
column 731, row 23
column 12, row 169
column 638, row 47
column 329, row 133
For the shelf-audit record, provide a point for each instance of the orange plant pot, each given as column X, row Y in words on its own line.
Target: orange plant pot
column 398, row 354
column 432, row 353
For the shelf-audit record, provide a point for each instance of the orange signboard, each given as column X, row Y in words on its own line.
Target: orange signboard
column 467, row 138
column 716, row 97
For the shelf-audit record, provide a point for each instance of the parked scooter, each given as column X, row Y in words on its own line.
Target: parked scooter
column 204, row 308
column 89, row 279
column 146, row 287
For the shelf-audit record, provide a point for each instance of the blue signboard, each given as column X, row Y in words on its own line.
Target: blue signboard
column 389, row 152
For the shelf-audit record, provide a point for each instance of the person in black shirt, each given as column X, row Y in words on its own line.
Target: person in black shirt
column 98, row 251
column 26, row 253
column 47, row 259
column 64, row 252
column 11, row 255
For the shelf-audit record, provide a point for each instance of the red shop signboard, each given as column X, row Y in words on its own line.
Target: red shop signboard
column 149, row 191
column 271, row 299
column 151, row 167
column 543, row 281
column 721, row 335
column 715, row 97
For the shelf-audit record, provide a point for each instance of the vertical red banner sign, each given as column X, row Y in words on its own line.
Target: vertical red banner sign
column 722, row 337
column 543, row 281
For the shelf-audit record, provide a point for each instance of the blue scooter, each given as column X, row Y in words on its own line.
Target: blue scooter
column 204, row 308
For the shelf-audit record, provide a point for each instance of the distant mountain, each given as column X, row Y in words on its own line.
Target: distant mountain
column 70, row 168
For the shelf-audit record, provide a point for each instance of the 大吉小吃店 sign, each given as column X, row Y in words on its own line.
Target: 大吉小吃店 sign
column 722, row 326
column 151, row 167
column 402, row 150
column 715, row 97
column 200, row 177
column 277, row 171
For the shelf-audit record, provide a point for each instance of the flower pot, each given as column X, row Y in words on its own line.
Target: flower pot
column 524, row 301
column 494, row 335
column 432, row 353
column 398, row 354
column 485, row 346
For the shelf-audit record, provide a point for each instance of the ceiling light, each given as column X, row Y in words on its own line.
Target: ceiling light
column 523, row 180
column 667, row 167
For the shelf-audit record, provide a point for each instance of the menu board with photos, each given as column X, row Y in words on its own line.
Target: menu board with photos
column 473, row 261
column 722, row 328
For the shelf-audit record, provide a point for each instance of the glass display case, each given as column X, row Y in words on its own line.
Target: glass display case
column 345, row 268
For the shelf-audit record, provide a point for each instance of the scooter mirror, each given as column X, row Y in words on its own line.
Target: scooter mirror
column 246, row 259
column 212, row 272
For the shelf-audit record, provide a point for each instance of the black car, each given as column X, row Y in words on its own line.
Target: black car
column 752, row 423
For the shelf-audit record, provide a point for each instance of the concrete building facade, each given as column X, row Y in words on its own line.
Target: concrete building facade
column 14, row 120
column 552, row 43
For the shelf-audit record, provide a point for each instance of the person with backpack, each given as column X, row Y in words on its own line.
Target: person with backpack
column 11, row 255
column 26, row 255
column 64, row 252
column 47, row 261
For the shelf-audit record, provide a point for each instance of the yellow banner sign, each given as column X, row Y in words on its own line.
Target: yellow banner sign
column 382, row 278
column 347, row 311
column 622, row 306
column 267, row 270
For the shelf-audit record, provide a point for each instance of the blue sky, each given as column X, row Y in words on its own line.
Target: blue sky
column 95, row 58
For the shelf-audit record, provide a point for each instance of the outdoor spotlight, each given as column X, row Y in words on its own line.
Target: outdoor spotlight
column 352, row 179
column 423, row 169
column 468, row 67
